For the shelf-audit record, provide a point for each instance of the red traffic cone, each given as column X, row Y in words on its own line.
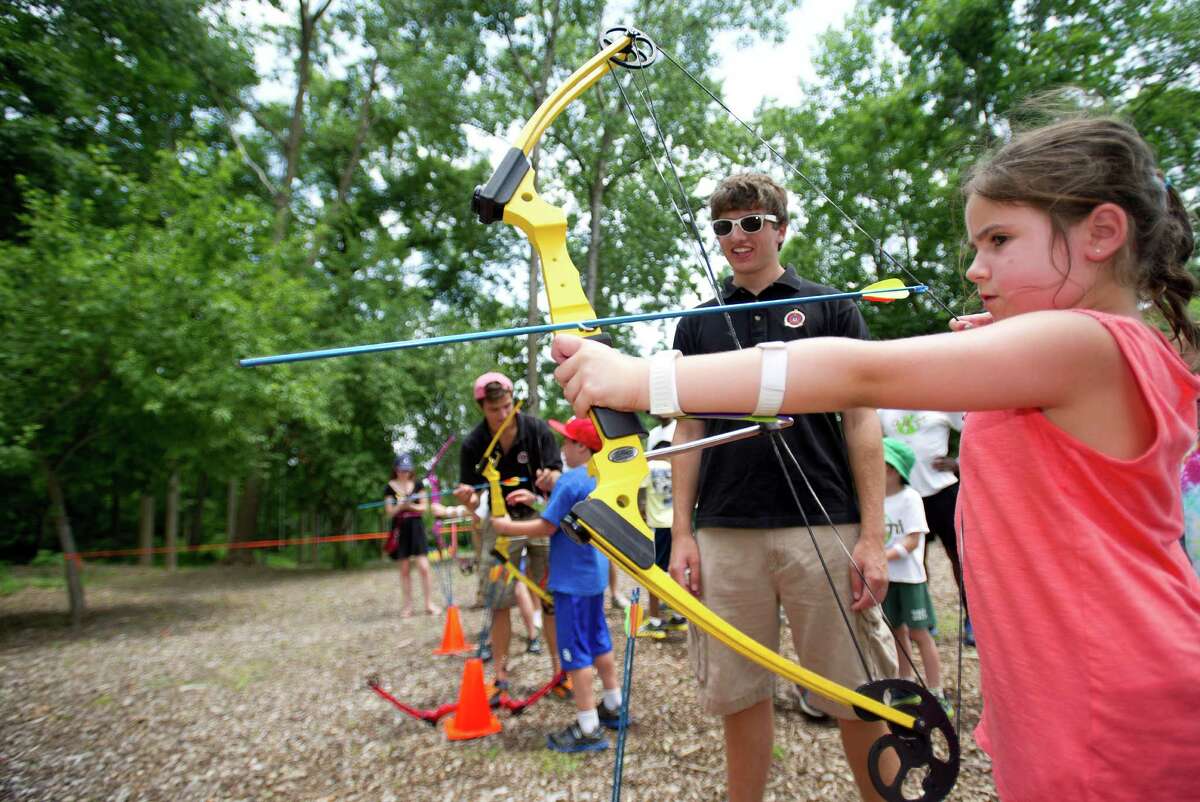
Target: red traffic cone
column 474, row 717
column 453, row 641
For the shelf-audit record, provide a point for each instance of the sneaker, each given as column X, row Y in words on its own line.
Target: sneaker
column 652, row 629
column 610, row 718
column 808, row 711
column 905, row 701
column 564, row 690
column 619, row 601
column 944, row 700
column 497, row 691
column 534, row 646
column 676, row 623
column 968, row 633
column 572, row 739
column 485, row 653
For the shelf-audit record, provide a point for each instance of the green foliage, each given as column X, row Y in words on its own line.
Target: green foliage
column 47, row 559
column 909, row 94
column 163, row 221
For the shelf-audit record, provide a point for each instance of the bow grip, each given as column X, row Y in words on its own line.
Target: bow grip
column 597, row 514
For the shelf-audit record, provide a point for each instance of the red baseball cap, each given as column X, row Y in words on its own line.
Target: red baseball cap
column 581, row 430
column 489, row 378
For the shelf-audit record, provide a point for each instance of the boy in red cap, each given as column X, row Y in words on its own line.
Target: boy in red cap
column 578, row 577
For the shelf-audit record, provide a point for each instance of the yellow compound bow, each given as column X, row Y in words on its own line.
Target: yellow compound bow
column 609, row 518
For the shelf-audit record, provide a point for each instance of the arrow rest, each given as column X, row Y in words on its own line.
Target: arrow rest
column 639, row 54
column 914, row 747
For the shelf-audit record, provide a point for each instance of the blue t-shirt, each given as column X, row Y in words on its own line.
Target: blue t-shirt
column 575, row 569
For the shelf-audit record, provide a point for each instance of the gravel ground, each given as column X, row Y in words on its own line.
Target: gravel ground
column 249, row 684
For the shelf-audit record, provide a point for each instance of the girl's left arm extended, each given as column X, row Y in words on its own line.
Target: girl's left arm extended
column 1040, row 359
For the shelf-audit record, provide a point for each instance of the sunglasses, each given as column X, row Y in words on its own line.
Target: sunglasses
column 751, row 224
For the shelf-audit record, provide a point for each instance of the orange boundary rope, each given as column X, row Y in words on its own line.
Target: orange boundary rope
column 245, row 544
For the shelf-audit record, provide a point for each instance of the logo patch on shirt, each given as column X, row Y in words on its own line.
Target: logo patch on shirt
column 794, row 319
column 523, row 458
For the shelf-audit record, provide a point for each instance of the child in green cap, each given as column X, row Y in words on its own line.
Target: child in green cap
column 908, row 605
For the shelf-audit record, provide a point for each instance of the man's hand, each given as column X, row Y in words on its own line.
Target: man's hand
column 685, row 560
column 546, row 479
column 521, row 496
column 945, row 464
column 465, row 494
column 870, row 558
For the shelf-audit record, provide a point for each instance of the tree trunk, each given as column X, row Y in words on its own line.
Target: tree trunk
column 231, row 510
column 596, row 212
column 66, row 541
column 195, row 526
column 308, row 30
column 114, row 506
column 146, row 529
column 171, row 525
column 532, row 374
column 247, row 520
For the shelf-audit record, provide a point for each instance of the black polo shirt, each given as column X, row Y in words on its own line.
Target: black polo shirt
column 741, row 483
column 534, row 447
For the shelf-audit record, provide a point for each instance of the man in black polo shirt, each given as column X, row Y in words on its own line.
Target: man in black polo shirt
column 751, row 552
column 529, row 452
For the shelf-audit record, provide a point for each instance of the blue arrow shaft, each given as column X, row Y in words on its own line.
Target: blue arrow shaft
column 449, row 339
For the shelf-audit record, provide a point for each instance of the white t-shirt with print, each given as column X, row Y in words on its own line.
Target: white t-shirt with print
column 928, row 435
column 659, row 512
column 903, row 514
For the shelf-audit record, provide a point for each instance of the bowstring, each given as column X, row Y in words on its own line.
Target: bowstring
column 777, row 440
column 779, row 444
column 812, row 185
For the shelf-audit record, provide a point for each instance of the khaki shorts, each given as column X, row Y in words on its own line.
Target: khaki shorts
column 746, row 576
column 537, row 562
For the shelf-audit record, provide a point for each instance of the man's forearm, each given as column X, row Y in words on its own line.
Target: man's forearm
column 864, row 447
column 685, row 475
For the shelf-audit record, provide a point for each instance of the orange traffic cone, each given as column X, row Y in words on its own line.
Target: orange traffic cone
column 453, row 641
column 474, row 717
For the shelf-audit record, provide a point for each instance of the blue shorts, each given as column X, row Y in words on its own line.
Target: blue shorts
column 582, row 630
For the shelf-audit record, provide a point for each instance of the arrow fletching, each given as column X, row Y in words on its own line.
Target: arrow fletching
column 886, row 291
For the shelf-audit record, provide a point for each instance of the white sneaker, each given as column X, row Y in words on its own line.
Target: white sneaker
column 810, row 712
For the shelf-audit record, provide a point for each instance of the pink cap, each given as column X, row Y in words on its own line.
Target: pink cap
column 581, row 430
column 488, row 378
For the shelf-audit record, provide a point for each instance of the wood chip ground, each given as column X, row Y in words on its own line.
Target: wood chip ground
column 249, row 684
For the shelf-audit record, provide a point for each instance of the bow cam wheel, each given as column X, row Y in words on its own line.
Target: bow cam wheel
column 640, row 53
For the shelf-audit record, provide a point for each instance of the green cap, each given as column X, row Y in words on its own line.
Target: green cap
column 899, row 455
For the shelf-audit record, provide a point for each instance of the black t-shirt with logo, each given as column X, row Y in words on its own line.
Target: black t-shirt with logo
column 534, row 447
column 741, row 484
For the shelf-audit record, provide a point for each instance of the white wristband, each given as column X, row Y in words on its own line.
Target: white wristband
column 899, row 550
column 772, row 378
column 664, row 398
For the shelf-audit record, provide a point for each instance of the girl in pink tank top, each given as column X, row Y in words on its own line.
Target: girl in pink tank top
column 1086, row 611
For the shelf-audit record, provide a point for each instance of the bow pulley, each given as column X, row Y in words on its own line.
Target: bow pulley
column 640, row 53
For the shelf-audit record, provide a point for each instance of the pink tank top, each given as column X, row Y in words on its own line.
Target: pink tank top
column 1085, row 609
